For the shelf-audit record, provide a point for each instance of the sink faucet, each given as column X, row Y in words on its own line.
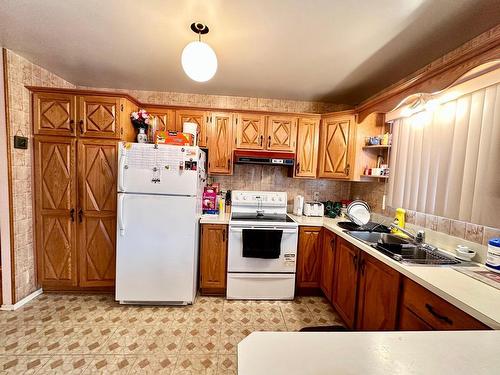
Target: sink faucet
column 417, row 238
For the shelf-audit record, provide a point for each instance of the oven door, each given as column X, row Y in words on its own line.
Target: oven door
column 285, row 263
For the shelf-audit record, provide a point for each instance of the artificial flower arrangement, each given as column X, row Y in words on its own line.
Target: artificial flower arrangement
column 140, row 119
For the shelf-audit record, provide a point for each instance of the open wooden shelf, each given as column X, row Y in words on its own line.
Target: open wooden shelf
column 370, row 176
column 376, row 146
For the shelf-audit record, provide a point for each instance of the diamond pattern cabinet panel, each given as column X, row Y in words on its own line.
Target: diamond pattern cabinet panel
column 306, row 158
column 281, row 133
column 97, row 168
column 336, row 147
column 54, row 114
column 55, row 210
column 309, row 257
column 99, row 116
column 164, row 118
column 201, row 118
column 213, row 258
column 250, row 131
column 220, row 153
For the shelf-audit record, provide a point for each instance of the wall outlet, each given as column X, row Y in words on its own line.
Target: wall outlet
column 316, row 196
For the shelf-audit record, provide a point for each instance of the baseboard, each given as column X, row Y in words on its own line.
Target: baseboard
column 22, row 302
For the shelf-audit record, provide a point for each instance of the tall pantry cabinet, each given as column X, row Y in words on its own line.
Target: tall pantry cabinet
column 75, row 165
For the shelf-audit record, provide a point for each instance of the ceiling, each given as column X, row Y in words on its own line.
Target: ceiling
column 328, row 50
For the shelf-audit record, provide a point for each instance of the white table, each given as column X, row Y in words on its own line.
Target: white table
column 384, row 353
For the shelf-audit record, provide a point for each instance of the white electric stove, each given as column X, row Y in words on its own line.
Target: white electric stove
column 262, row 248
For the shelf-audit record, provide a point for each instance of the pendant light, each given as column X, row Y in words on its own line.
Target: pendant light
column 198, row 58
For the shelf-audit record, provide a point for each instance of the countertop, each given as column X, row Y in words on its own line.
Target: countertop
column 472, row 296
column 318, row 353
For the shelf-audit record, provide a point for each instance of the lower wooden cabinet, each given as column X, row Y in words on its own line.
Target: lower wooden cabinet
column 431, row 311
column 327, row 263
column 378, row 293
column 309, row 258
column 345, row 281
column 213, row 259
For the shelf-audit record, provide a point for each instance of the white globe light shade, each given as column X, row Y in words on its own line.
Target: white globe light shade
column 199, row 61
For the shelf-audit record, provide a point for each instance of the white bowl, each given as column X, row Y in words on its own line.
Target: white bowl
column 464, row 253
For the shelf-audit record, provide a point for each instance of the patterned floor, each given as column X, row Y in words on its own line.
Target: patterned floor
column 68, row 334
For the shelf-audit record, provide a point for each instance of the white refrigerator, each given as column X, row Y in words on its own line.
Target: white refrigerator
column 159, row 205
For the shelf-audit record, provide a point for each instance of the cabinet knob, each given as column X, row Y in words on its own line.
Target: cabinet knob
column 81, row 126
column 72, row 214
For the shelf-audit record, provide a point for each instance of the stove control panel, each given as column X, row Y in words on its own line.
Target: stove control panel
column 256, row 198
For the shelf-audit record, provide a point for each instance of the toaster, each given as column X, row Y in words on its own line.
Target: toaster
column 313, row 209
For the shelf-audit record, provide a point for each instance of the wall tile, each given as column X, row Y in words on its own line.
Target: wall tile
column 457, row 228
column 490, row 233
column 431, row 222
column 444, row 225
column 474, row 233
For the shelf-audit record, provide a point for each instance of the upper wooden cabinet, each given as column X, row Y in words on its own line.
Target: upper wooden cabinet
column 306, row 158
column 99, row 116
column 308, row 257
column 201, row 118
column 54, row 114
column 164, row 118
column 97, row 169
column 281, row 133
column 220, row 150
column 213, row 258
column 250, row 131
column 337, row 136
column 55, row 211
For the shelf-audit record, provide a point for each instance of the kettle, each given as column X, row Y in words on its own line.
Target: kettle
column 298, row 205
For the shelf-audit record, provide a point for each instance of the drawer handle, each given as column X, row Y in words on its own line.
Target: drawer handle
column 437, row 315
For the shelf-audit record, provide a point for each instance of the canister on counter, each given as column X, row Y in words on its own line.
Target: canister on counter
column 493, row 256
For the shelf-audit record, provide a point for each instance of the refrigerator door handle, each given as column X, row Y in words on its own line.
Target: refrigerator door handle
column 121, row 171
column 121, row 223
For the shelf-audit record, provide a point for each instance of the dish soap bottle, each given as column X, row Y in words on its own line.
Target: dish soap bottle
column 399, row 220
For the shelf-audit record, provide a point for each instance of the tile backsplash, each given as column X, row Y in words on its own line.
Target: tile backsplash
column 275, row 178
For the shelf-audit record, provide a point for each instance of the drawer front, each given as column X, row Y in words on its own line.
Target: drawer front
column 435, row 311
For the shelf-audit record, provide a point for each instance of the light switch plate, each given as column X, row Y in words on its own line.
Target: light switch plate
column 20, row 142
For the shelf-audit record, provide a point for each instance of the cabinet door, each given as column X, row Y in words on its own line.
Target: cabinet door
column 250, row 131
column 345, row 280
column 220, row 150
column 306, row 157
column 97, row 166
column 213, row 257
column 327, row 264
column 281, row 133
column 335, row 147
column 164, row 119
column 99, row 116
column 55, row 211
column 309, row 257
column 54, row 114
column 377, row 295
column 200, row 118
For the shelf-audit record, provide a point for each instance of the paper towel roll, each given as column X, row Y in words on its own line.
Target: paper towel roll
column 191, row 128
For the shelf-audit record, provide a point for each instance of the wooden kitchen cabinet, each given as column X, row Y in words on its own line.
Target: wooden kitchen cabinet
column 97, row 169
column 220, row 145
column 337, row 136
column 201, row 118
column 165, row 120
column 306, row 157
column 281, row 133
column 250, row 131
column 432, row 310
column 55, row 211
column 345, row 280
column 213, row 259
column 54, row 114
column 99, row 116
column 327, row 263
column 378, row 293
column 408, row 321
column 308, row 258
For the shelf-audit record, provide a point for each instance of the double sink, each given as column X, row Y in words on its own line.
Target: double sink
column 403, row 250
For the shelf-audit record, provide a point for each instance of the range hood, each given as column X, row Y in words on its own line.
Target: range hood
column 264, row 157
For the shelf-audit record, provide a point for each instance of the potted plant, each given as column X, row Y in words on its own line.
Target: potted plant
column 141, row 120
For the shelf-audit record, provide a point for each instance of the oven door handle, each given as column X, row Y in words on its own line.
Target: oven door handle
column 259, row 228
column 261, row 276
